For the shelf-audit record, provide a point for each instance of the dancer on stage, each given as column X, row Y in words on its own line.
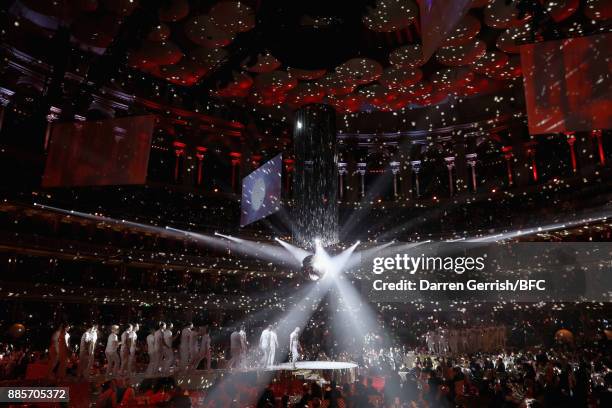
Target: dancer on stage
column 86, row 351
column 112, row 358
column 185, row 347
column 264, row 344
column 294, row 345
column 273, row 344
column 159, row 344
column 244, row 346
column 153, row 353
column 58, row 352
column 236, row 349
column 167, row 351
column 132, row 341
column 124, row 351
column 430, row 341
column 205, row 349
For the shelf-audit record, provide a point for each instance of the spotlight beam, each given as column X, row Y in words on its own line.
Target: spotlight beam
column 298, row 316
column 298, row 253
column 258, row 250
column 537, row 230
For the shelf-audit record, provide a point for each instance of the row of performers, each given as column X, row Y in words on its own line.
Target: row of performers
column 466, row 340
column 194, row 349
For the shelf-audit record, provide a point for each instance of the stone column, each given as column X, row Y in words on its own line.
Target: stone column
column 471, row 161
column 571, row 141
column 52, row 116
column 395, row 169
column 342, row 172
column 179, row 154
column 597, row 135
column 416, row 168
column 530, row 152
column 450, row 165
column 200, row 154
column 236, row 161
column 361, row 170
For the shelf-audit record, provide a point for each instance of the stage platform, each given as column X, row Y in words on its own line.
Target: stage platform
column 314, row 365
column 203, row 378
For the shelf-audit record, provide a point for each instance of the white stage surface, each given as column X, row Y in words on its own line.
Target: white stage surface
column 313, row 365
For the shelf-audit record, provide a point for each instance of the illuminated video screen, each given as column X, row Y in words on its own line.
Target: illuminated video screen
column 261, row 191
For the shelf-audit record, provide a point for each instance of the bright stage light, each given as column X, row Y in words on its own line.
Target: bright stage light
column 312, row 267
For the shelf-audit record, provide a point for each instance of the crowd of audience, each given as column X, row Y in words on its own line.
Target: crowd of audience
column 557, row 375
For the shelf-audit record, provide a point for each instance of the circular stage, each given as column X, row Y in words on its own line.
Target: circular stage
column 314, row 365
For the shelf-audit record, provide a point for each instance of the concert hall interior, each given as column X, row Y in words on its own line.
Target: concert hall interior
column 320, row 203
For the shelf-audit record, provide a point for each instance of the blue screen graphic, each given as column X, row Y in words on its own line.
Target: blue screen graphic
column 261, row 192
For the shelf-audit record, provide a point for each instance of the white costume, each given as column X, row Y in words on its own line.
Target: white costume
column 272, row 348
column 159, row 345
column 153, row 352
column 264, row 345
column 86, row 352
column 167, row 352
column 244, row 345
column 124, row 351
column 132, row 340
column 443, row 341
column 112, row 358
column 194, row 348
column 54, row 351
column 294, row 344
column 185, row 348
column 235, row 348
column 431, row 342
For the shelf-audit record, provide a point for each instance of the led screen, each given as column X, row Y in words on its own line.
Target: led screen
column 568, row 85
column 99, row 153
column 261, row 191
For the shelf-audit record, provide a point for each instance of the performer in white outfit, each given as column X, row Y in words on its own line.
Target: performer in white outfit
column 244, row 346
column 54, row 350
column 132, row 341
column 124, row 351
column 294, row 345
column 205, row 350
column 167, row 351
column 153, row 353
column 159, row 344
column 273, row 344
column 431, row 342
column 112, row 358
column 264, row 344
column 86, row 351
column 235, row 349
column 185, row 347
column 443, row 341
column 194, row 347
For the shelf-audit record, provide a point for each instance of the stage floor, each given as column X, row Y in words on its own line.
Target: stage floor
column 313, row 365
column 199, row 378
